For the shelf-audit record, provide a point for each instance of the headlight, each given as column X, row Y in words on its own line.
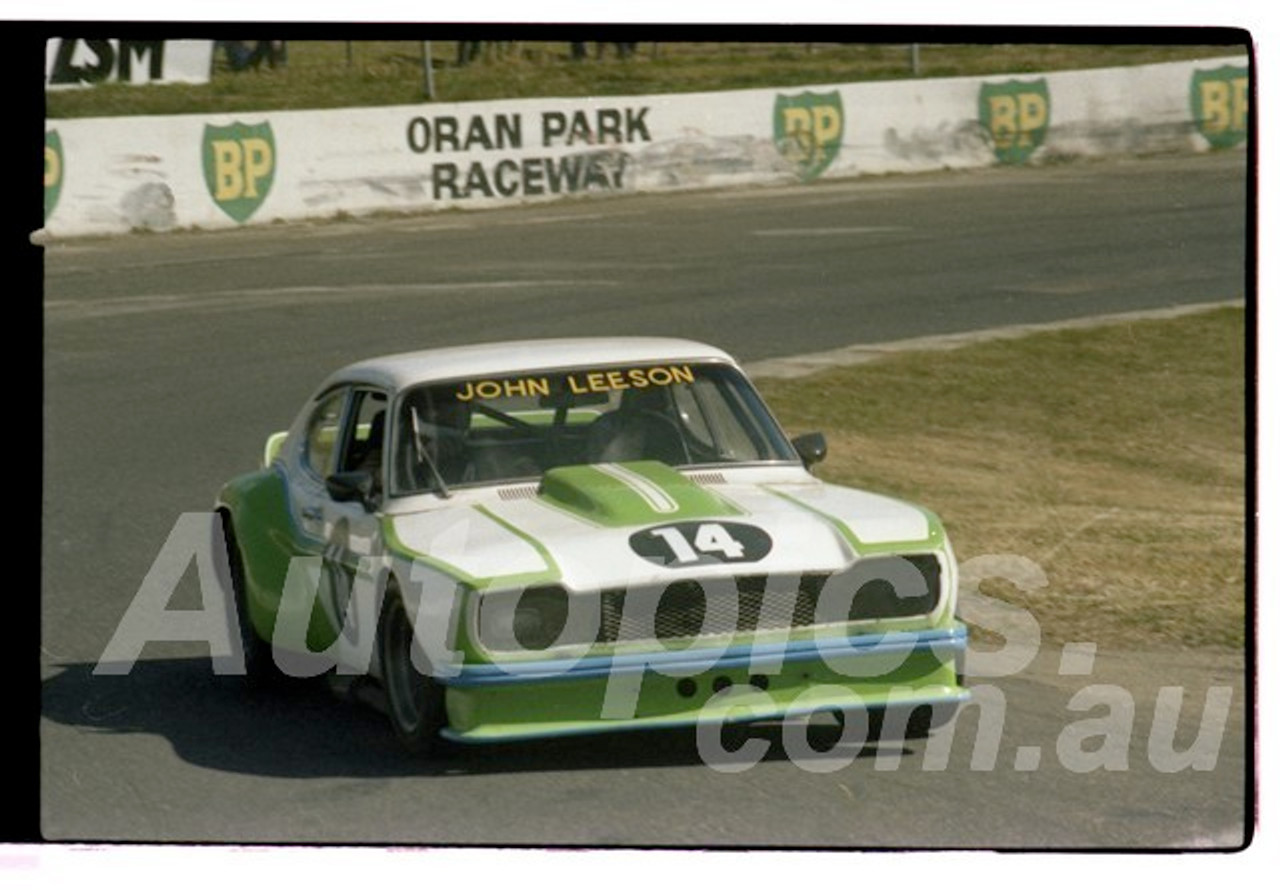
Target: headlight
column 531, row 619
column 881, row 587
column 540, row 617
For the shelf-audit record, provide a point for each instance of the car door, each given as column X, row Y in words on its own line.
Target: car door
column 353, row 528
column 344, row 435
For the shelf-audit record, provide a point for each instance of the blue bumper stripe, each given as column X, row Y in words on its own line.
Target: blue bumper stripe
column 944, row 643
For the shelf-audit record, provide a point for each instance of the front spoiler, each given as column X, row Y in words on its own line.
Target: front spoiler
column 686, row 688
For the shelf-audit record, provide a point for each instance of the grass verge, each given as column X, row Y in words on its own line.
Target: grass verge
column 1114, row 457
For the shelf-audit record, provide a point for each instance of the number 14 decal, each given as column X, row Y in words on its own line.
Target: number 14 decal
column 691, row 543
column 711, row 537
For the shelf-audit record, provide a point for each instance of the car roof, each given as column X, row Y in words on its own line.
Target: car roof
column 395, row 372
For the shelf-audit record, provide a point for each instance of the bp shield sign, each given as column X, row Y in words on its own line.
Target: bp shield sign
column 239, row 166
column 54, row 163
column 1015, row 115
column 808, row 130
column 1220, row 105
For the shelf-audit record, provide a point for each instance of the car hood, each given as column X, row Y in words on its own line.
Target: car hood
column 614, row 525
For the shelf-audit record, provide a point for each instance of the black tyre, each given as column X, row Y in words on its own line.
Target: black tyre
column 920, row 723
column 415, row 702
column 879, row 727
column 259, row 663
column 884, row 727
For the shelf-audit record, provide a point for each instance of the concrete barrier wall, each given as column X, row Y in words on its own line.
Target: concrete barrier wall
column 114, row 175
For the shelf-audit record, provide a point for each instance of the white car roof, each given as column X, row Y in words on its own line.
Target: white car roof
column 395, row 372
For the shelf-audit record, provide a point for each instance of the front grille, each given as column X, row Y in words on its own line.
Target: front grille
column 875, row 588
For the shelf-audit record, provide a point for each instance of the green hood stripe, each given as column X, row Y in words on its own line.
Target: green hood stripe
column 549, row 575
column 934, row 539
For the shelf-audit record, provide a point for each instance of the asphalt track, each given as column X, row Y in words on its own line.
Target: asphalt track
column 169, row 358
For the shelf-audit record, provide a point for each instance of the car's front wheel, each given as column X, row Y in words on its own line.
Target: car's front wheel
column 415, row 702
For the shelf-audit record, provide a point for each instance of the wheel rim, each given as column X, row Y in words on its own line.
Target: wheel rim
column 404, row 683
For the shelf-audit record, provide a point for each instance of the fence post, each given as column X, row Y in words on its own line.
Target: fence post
column 428, row 74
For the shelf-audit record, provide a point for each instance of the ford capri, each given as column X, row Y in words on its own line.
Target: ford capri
column 531, row 539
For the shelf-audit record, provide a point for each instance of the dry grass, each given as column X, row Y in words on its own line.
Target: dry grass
column 1115, row 458
column 340, row 74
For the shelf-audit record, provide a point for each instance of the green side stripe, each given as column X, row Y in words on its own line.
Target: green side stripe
column 934, row 538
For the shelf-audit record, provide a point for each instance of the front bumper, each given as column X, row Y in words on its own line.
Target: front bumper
column 685, row 687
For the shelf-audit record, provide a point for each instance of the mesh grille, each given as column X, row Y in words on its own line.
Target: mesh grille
column 880, row 587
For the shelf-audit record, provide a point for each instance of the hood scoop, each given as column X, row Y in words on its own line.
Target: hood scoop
column 633, row 493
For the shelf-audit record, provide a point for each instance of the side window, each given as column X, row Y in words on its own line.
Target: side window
column 364, row 450
column 322, row 434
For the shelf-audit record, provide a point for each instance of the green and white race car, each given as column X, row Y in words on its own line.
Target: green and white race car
column 531, row 539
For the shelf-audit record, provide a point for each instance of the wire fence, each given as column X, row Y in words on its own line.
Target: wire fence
column 371, row 72
column 485, row 52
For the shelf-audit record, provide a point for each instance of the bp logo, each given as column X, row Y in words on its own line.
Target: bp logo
column 1015, row 115
column 1220, row 105
column 239, row 166
column 808, row 130
column 53, row 166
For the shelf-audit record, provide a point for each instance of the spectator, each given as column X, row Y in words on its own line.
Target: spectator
column 242, row 54
column 624, row 49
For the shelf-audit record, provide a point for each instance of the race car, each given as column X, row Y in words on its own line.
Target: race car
column 541, row 538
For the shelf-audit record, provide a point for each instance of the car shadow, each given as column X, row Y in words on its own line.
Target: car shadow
column 302, row 729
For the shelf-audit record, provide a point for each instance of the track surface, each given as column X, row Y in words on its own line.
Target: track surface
column 168, row 359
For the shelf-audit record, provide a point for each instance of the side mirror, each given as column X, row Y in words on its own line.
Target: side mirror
column 352, row 485
column 812, row 448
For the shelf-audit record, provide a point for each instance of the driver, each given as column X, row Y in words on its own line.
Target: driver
column 641, row 428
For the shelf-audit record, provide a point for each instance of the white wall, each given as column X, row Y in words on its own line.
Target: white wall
column 112, row 175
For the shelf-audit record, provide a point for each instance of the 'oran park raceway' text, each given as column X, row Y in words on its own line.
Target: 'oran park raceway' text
column 599, row 165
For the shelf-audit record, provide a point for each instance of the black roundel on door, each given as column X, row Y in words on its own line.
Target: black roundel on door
column 683, row 544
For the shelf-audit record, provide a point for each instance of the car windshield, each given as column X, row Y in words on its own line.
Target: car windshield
column 498, row 429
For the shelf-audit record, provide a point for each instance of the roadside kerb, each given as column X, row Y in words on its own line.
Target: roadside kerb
column 860, row 353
